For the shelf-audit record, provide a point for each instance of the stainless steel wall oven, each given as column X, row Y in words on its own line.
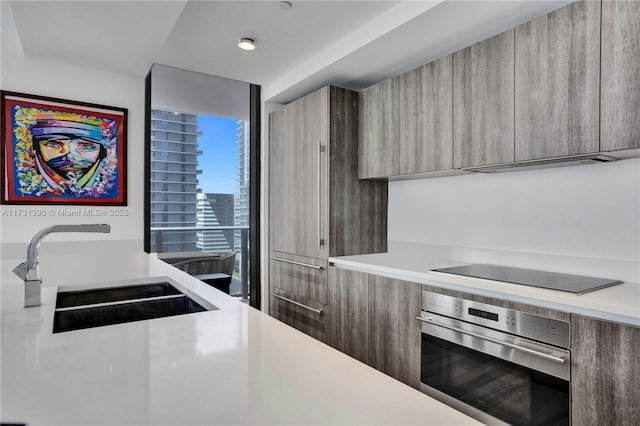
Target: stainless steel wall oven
column 498, row 365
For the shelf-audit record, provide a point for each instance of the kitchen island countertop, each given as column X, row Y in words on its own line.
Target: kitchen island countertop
column 234, row 365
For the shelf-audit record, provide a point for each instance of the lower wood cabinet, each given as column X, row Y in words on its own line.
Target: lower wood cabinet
column 299, row 317
column 348, row 312
column 299, row 292
column 373, row 319
column 299, row 278
column 394, row 345
column 605, row 373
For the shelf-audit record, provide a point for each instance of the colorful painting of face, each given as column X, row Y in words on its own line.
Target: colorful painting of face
column 57, row 152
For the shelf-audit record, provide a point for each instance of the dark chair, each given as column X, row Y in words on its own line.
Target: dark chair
column 215, row 269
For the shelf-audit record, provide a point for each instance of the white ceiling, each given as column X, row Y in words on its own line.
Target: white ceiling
column 352, row 44
column 205, row 37
column 121, row 36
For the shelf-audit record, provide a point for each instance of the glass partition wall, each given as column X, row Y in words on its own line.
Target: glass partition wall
column 199, row 195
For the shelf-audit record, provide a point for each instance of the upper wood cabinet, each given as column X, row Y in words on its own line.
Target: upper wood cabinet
column 378, row 122
column 318, row 207
column 557, row 83
column 620, row 103
column 564, row 84
column 483, row 104
column 405, row 123
column 426, row 115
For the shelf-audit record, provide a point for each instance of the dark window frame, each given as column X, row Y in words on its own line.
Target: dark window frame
column 254, row 190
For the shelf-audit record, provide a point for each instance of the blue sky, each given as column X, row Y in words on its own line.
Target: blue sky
column 219, row 159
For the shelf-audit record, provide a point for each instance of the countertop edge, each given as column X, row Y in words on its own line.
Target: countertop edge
column 422, row 278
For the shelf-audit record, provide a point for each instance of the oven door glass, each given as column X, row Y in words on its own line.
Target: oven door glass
column 509, row 392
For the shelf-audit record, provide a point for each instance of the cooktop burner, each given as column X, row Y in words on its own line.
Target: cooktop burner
column 551, row 280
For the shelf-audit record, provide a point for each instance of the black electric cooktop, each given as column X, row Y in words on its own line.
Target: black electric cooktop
column 551, row 280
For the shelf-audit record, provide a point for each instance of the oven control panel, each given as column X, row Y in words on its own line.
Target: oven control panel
column 547, row 330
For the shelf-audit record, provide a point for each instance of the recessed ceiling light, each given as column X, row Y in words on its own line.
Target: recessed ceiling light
column 284, row 5
column 247, row 43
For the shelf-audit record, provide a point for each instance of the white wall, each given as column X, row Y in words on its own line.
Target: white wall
column 39, row 77
column 590, row 211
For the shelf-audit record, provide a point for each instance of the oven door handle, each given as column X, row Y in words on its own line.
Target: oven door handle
column 549, row 357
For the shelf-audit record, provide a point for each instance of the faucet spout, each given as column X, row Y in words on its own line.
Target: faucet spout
column 29, row 270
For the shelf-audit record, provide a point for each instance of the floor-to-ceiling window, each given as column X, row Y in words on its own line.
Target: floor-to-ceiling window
column 199, row 197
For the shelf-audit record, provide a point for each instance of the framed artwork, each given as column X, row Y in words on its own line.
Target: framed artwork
column 62, row 152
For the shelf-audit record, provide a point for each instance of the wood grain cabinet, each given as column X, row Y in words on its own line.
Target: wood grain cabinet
column 298, row 149
column 483, row 103
column 299, row 293
column 298, row 317
column 557, row 83
column 563, row 84
column 405, row 123
column 425, row 107
column 394, row 341
column 317, row 206
column 620, row 111
column 605, row 373
column 348, row 312
column 379, row 124
column 373, row 319
column 303, row 279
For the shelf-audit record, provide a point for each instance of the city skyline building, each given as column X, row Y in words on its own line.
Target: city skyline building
column 215, row 210
column 177, row 198
column 174, row 179
column 242, row 198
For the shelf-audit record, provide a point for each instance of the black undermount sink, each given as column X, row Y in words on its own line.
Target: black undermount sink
column 80, row 309
column 67, row 299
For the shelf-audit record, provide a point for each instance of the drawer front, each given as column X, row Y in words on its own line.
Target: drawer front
column 298, row 287
column 298, row 278
column 308, row 321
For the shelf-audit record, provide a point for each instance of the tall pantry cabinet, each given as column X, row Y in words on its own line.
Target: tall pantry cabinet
column 317, row 206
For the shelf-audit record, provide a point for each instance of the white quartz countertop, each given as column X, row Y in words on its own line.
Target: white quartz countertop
column 414, row 262
column 234, row 365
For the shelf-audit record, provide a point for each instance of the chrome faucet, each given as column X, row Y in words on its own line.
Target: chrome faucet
column 29, row 270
